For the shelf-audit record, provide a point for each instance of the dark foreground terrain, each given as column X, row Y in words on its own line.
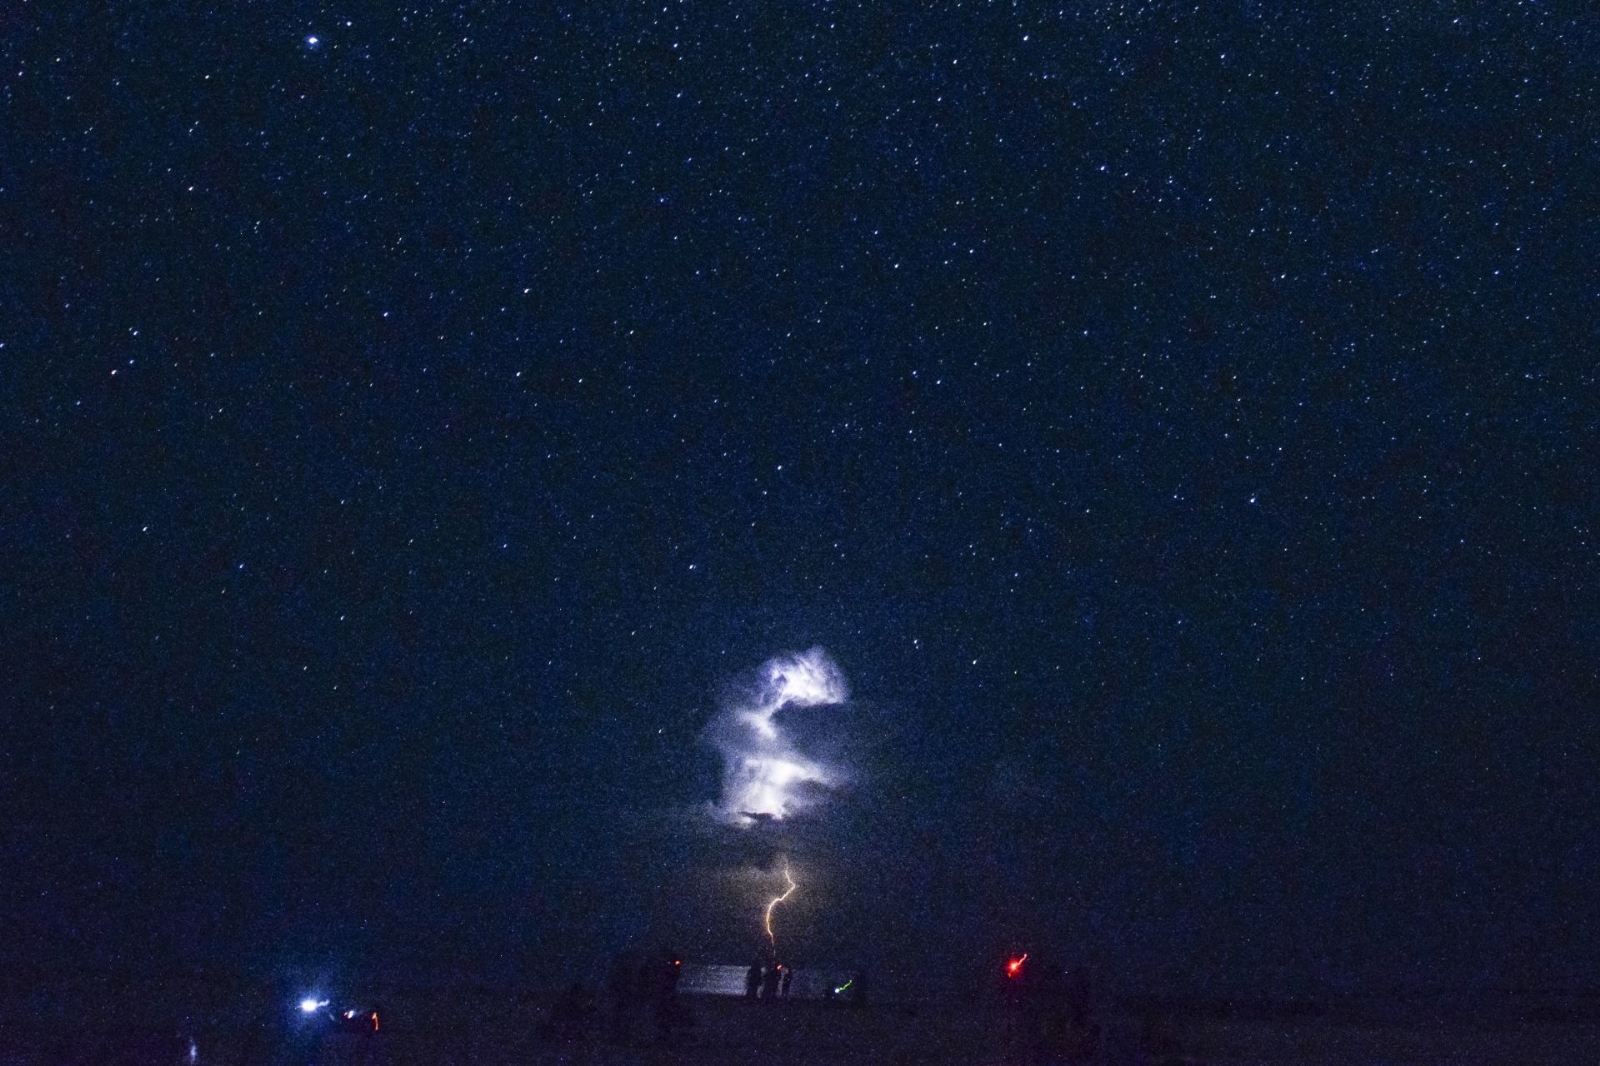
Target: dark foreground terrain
column 484, row 1028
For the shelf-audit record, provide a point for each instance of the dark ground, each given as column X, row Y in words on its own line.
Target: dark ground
column 488, row 1026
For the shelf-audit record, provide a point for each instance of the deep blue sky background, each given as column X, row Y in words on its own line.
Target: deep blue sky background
column 1180, row 425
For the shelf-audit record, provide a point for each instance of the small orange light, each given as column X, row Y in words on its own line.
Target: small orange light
column 374, row 1021
column 1014, row 966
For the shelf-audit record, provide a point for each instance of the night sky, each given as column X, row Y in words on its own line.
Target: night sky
column 1179, row 425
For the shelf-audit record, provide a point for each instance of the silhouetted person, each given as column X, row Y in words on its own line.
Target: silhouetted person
column 785, row 981
column 569, row 1018
column 1078, row 998
column 621, row 985
column 669, row 1018
column 671, row 973
column 644, row 984
column 769, row 984
column 858, row 989
column 752, row 981
column 1040, row 1001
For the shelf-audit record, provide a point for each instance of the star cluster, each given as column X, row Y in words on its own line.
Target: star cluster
column 1183, row 417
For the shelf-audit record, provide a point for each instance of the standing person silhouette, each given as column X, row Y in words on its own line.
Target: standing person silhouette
column 621, row 982
column 752, row 981
column 669, row 1013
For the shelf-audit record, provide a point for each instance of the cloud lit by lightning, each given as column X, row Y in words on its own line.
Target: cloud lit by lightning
column 764, row 776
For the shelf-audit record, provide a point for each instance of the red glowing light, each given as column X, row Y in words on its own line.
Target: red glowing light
column 1014, row 966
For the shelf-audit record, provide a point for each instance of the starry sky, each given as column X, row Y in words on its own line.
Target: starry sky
column 1178, row 423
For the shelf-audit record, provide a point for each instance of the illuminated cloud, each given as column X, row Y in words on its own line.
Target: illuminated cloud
column 763, row 774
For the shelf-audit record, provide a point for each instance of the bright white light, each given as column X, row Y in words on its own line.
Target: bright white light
column 310, row 1005
column 312, row 42
column 806, row 680
column 763, row 773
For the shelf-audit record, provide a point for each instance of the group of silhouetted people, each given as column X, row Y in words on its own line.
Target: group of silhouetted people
column 1053, row 1008
column 767, row 983
column 630, row 986
column 650, row 987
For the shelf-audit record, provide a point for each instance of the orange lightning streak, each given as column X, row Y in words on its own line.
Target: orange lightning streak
column 775, row 901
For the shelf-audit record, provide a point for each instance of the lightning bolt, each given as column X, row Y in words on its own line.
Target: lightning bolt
column 775, row 901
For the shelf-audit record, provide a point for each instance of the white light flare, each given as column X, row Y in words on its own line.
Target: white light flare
column 806, row 680
column 764, row 777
